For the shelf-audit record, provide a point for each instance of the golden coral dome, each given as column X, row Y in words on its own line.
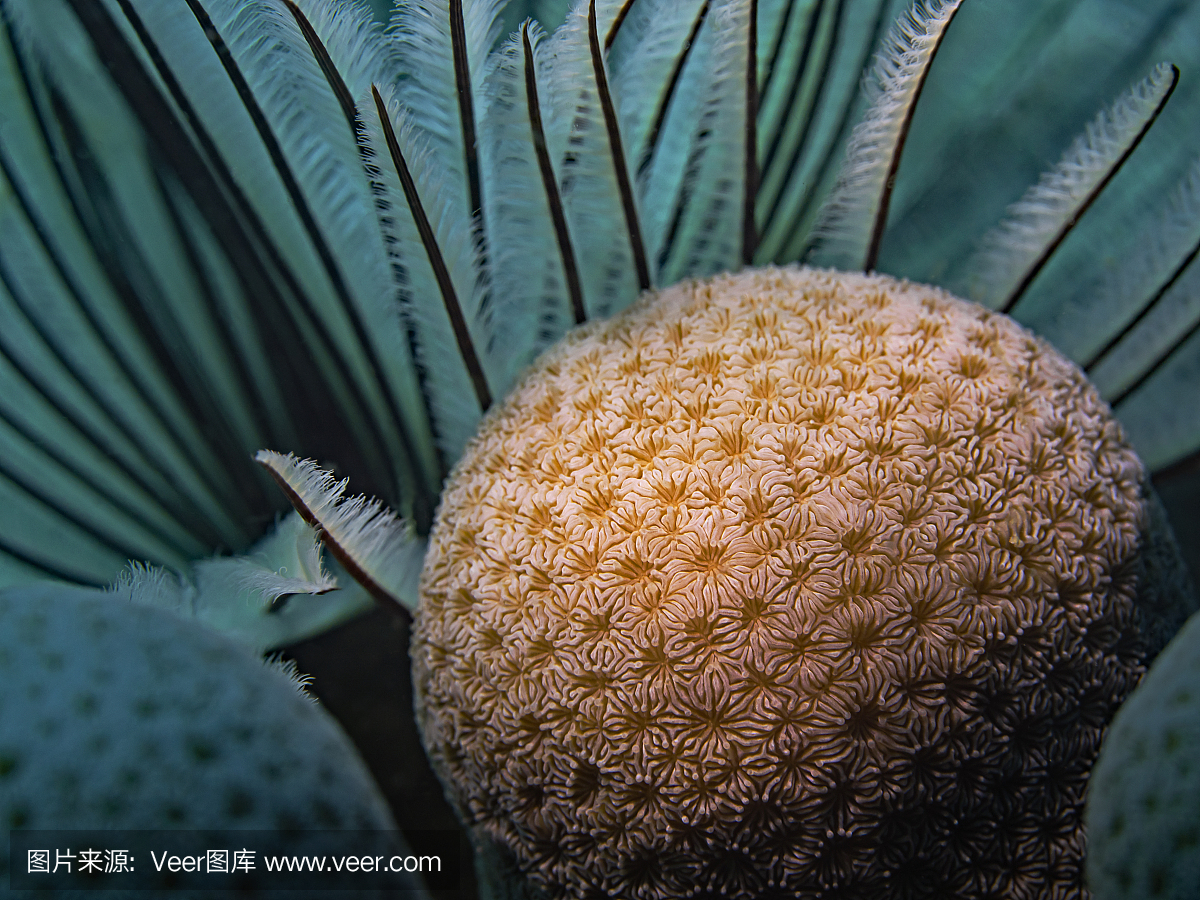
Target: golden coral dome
column 790, row 582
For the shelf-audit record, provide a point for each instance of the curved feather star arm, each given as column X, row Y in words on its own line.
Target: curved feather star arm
column 662, row 149
column 709, row 232
column 444, row 44
column 850, row 225
column 808, row 113
column 641, row 64
column 1011, row 255
column 442, row 287
column 1160, row 411
column 1113, row 338
column 1147, row 369
column 266, row 599
column 377, row 548
column 535, row 271
column 354, row 54
column 584, row 138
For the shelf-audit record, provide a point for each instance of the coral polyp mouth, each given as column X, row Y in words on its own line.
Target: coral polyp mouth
column 790, row 579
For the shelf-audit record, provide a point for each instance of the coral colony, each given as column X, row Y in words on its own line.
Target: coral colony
column 183, row 729
column 788, row 581
column 729, row 576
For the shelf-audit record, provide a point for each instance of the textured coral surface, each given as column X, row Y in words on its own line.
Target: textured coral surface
column 789, row 582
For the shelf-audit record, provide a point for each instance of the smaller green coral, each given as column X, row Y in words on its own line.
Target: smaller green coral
column 1143, row 813
column 119, row 716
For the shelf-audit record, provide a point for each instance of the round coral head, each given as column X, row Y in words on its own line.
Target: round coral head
column 790, row 582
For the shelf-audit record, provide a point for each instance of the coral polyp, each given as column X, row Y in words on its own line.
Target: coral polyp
column 790, row 580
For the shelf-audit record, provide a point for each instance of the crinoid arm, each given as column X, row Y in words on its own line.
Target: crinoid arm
column 1014, row 252
column 851, row 223
column 279, row 589
column 380, row 550
column 1147, row 367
